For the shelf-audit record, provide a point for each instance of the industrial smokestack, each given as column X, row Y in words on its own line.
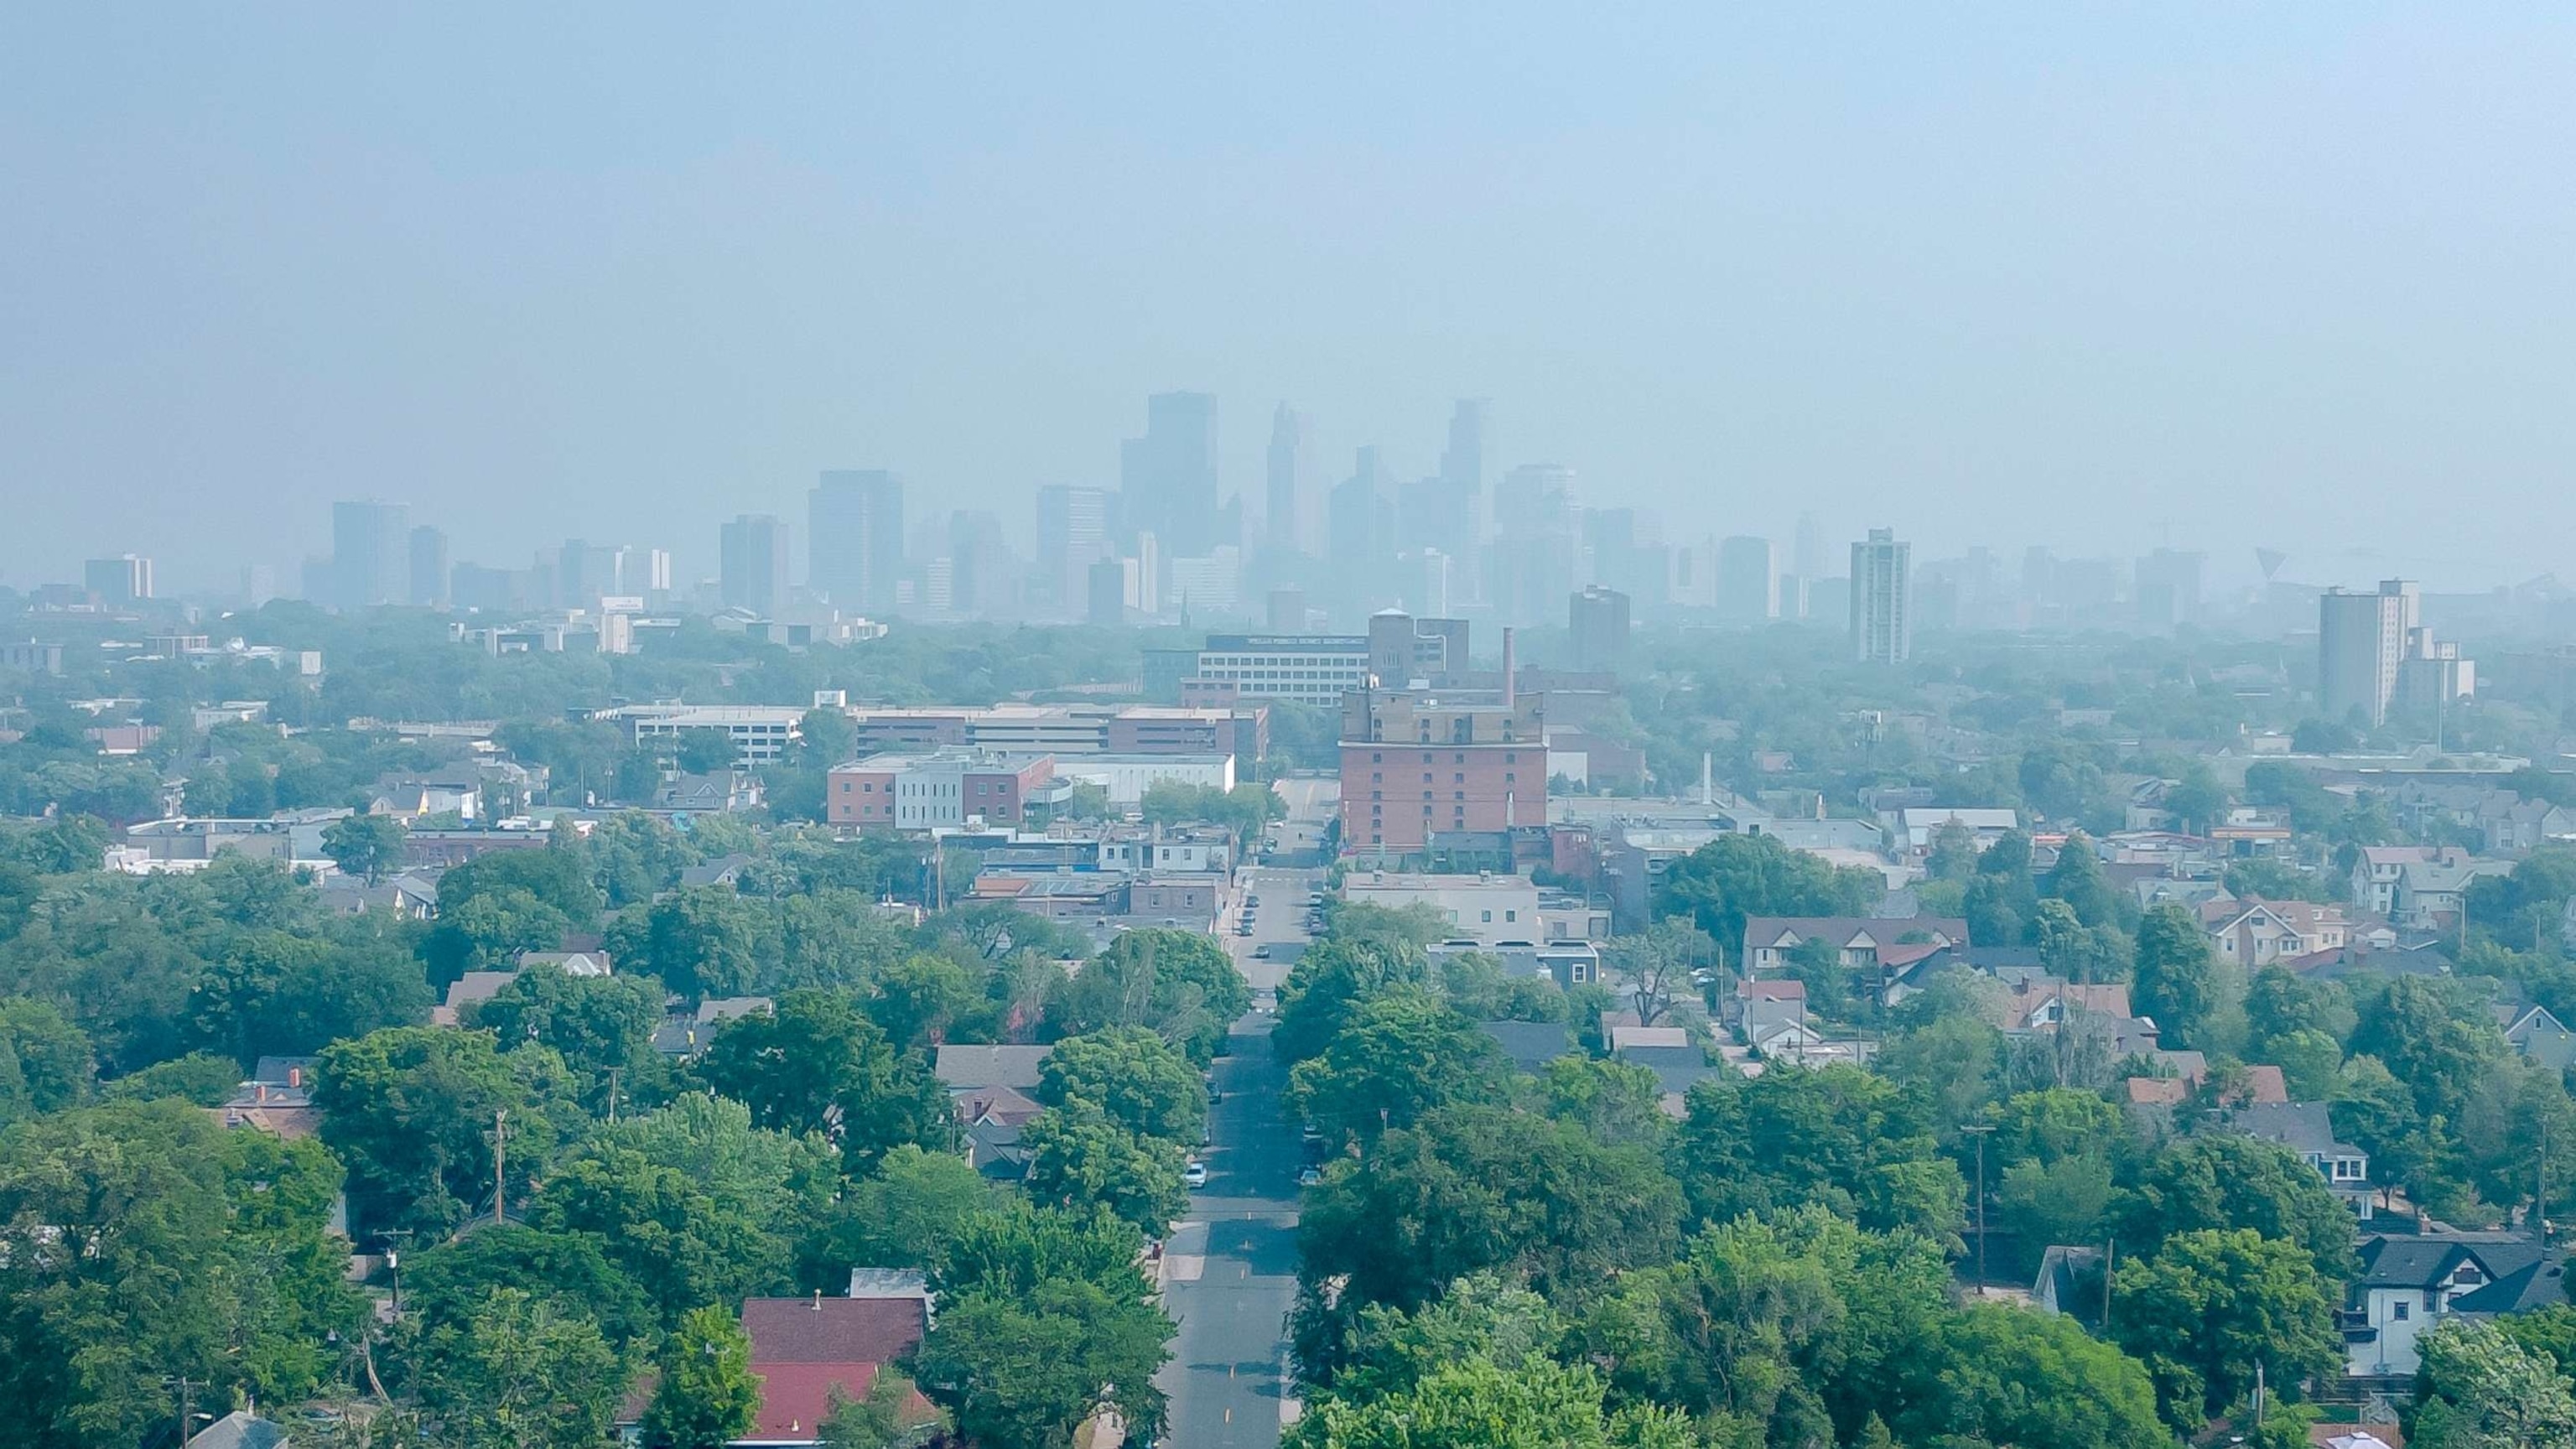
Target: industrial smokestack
column 1509, row 684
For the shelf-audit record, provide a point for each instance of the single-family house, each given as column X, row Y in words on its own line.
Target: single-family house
column 804, row 1351
column 959, row 1065
column 2254, row 933
column 2306, row 1129
column 2430, row 892
column 2409, row 1282
column 1530, row 1045
column 1768, row 940
column 2538, row 1035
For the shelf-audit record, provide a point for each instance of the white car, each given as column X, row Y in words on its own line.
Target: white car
column 1194, row 1175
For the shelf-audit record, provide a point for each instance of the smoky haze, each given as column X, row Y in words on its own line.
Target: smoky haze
column 2212, row 276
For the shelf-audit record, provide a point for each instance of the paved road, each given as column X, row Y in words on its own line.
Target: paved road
column 1279, row 922
column 1232, row 1269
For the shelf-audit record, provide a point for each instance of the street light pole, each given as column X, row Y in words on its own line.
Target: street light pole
column 1981, row 1133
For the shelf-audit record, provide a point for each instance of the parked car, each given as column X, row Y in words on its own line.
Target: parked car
column 1195, row 1175
column 1309, row 1175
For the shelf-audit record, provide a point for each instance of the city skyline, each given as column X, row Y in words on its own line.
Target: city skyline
column 1779, row 271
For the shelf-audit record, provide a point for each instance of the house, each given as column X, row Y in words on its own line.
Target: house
column 720, row 794
column 687, row 1035
column 993, row 1149
column 2306, row 1129
column 2410, row 1282
column 408, row 896
column 571, row 963
column 240, row 1429
column 1019, row 1067
column 1530, row 1045
column 724, row 870
column 2538, row 1035
column 2255, row 933
column 470, row 989
column 2370, row 962
column 2356, row 1436
column 804, row 1350
column 1006, row 1105
column 2375, row 875
column 1764, row 1007
column 1669, row 1052
column 1768, row 940
column 2430, row 893
column 2035, row 1001
column 2069, row 1282
column 414, row 799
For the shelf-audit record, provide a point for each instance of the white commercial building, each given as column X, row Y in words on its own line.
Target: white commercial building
column 760, row 733
column 1484, row 907
column 1128, row 777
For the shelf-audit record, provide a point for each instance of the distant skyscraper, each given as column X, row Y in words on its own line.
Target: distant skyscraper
column 370, row 555
column 1167, row 479
column 1810, row 555
column 754, row 564
column 1075, row 531
column 1459, row 530
column 586, row 572
column 258, row 584
column 2168, row 588
column 1882, row 618
column 1596, row 622
column 2361, row 643
column 1748, row 580
column 429, row 567
column 1362, row 528
column 854, row 537
column 1535, row 561
column 1471, row 437
column 657, row 571
column 1112, row 590
column 1293, row 498
column 120, row 580
column 981, row 570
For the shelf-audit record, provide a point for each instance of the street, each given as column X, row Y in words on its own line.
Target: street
column 1231, row 1266
column 1279, row 924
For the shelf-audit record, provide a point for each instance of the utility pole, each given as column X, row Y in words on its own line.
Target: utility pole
column 612, row 1096
column 187, row 1403
column 2110, row 1250
column 1981, row 1133
column 500, row 1183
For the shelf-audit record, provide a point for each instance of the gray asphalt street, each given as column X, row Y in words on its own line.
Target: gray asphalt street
column 1233, row 1263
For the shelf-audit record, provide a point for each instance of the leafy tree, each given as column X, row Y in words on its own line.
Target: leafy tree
column 1476, row 1405
column 521, row 1373
column 490, row 931
column 704, row 752
column 1481, row 1316
column 1736, row 876
column 904, row 1215
column 1330, row 982
column 447, row 1283
column 882, row 1420
column 44, row 1059
column 634, row 857
column 1403, row 1054
column 2278, row 1003
column 2479, row 1389
column 2221, row 1181
column 707, row 1397
column 1614, row 1102
column 922, row 998
column 1953, row 856
column 2176, row 978
column 1025, row 1370
column 597, row 1024
column 2438, row 1045
column 700, row 941
column 2210, row 1304
column 692, row 1202
column 271, row 993
column 815, row 1063
column 1474, row 1188
column 2077, row 880
column 1179, row 984
column 1836, row 1136
column 201, row 1078
column 139, row 1239
column 557, row 875
column 1657, row 965
column 411, row 1111
column 1129, row 1076
column 1081, row 1159
column 366, row 846
column 2004, row 1375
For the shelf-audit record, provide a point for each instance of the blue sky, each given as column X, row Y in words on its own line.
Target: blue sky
column 2097, row 277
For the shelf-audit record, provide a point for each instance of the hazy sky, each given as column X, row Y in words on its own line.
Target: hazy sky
column 2090, row 276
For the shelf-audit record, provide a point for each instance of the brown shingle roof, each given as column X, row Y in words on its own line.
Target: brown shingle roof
column 831, row 1330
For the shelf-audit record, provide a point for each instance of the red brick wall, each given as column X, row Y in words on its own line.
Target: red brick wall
column 859, row 797
column 1385, row 790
